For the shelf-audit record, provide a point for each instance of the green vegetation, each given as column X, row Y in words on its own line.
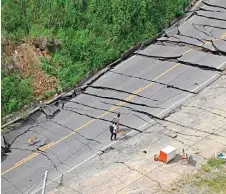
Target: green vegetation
column 213, row 163
column 215, row 177
column 92, row 33
column 210, row 179
column 16, row 92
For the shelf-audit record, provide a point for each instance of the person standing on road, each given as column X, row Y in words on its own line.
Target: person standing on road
column 116, row 120
column 113, row 130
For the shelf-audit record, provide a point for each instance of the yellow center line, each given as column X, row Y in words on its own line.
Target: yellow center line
column 34, row 154
column 130, row 97
column 187, row 52
column 214, row 39
column 27, row 158
column 223, row 36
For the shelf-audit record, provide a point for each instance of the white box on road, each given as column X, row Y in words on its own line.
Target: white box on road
column 167, row 154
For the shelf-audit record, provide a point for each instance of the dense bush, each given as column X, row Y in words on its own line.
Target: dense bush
column 16, row 93
column 92, row 32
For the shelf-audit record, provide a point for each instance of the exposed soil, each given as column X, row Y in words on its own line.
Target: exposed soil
column 26, row 60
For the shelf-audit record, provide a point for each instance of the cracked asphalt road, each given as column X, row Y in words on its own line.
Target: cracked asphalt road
column 153, row 81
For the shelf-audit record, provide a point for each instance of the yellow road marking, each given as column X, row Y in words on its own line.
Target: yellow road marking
column 170, row 69
column 33, row 155
column 27, row 158
column 223, row 36
column 214, row 39
column 9, row 170
column 130, row 97
column 187, row 52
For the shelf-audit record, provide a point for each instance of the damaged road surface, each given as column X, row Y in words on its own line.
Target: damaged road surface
column 145, row 88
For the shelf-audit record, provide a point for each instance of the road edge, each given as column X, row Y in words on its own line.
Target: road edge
column 95, row 75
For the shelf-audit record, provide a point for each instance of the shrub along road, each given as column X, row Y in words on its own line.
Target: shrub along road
column 49, row 45
column 147, row 86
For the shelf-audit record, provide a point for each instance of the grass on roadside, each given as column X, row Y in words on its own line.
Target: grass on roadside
column 211, row 178
column 80, row 37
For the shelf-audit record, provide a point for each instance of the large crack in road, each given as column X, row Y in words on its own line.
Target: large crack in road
column 133, row 111
column 192, row 45
column 203, row 67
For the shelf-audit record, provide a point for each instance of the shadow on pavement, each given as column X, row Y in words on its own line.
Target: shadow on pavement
column 124, row 138
column 192, row 162
column 3, row 157
column 175, row 160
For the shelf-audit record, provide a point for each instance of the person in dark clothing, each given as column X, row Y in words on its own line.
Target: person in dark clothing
column 113, row 130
